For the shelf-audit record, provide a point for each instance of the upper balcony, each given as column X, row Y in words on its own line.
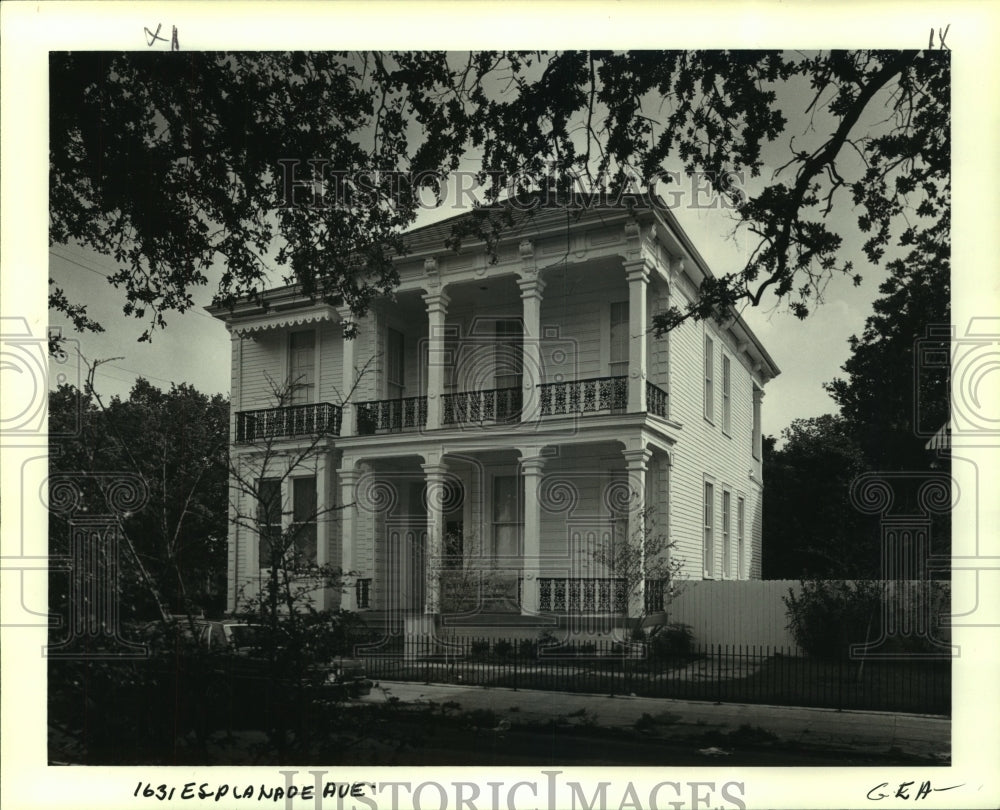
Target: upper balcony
column 559, row 327
column 289, row 422
column 599, row 395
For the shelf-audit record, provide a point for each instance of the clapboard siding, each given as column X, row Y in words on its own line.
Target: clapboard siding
column 706, row 452
column 264, row 364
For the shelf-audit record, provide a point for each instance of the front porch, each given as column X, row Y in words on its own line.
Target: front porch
column 520, row 535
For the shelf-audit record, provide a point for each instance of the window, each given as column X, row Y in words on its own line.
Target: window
column 755, row 439
column 619, row 340
column 302, row 367
column 508, row 516
column 726, row 408
column 709, row 371
column 268, row 519
column 394, row 368
column 507, row 365
column 709, row 550
column 726, row 547
column 740, row 543
column 304, row 519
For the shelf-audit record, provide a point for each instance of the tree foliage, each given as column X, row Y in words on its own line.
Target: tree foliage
column 169, row 163
column 812, row 529
column 176, row 442
column 892, row 399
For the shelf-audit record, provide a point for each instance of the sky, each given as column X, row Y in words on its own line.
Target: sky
column 195, row 348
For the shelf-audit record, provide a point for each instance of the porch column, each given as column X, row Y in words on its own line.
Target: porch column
column 348, row 395
column 434, row 472
column 437, row 307
column 637, row 273
column 531, row 305
column 637, row 464
column 348, row 476
column 531, row 469
column 323, row 517
column 531, row 356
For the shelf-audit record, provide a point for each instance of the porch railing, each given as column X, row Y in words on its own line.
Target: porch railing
column 471, row 407
column 391, row 415
column 584, row 396
column 580, row 595
column 287, row 422
column 657, row 402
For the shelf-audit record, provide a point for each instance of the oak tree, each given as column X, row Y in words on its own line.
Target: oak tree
column 171, row 163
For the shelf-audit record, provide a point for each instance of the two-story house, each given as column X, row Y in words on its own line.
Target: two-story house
column 510, row 416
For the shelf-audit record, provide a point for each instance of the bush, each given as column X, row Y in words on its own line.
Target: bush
column 479, row 650
column 829, row 616
column 673, row 640
column 528, row 649
column 502, row 649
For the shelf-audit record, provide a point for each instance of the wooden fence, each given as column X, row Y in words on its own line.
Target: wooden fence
column 749, row 612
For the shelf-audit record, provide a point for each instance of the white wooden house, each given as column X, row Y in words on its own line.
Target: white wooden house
column 511, row 415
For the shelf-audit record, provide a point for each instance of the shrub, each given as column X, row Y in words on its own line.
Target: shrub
column 827, row 617
column 674, row 640
column 528, row 649
column 479, row 650
column 502, row 649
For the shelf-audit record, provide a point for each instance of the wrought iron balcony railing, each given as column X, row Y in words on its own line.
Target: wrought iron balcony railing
column 475, row 407
column 288, row 422
column 391, row 415
column 584, row 396
column 657, row 401
column 578, row 595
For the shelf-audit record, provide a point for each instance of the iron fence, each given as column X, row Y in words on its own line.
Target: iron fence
column 671, row 669
column 288, row 422
column 584, row 396
column 391, row 415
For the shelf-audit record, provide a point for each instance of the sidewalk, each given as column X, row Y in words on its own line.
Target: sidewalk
column 862, row 732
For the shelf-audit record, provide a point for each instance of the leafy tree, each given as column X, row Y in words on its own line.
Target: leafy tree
column 176, row 442
column 170, row 162
column 885, row 387
column 811, row 527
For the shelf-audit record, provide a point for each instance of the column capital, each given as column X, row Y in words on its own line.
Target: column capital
column 638, row 459
column 638, row 270
column 531, row 286
column 348, row 468
column 434, row 469
column 436, row 299
column 532, row 465
column 346, row 316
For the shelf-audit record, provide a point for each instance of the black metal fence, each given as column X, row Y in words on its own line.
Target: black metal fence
column 716, row 673
column 287, row 422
